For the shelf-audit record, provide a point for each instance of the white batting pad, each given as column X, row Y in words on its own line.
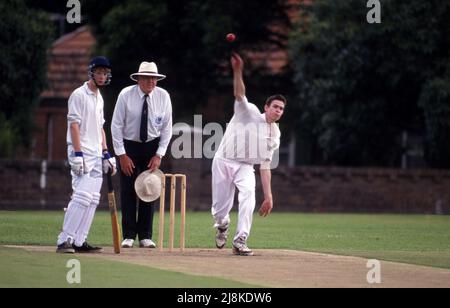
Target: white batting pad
column 86, row 222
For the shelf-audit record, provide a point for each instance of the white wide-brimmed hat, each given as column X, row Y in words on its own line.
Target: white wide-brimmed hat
column 147, row 69
column 148, row 185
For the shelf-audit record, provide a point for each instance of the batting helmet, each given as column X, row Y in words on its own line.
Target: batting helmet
column 99, row 62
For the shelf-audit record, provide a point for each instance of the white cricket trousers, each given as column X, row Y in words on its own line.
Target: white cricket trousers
column 85, row 199
column 228, row 175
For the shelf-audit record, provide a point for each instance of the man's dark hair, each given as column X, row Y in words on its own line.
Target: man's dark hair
column 277, row 97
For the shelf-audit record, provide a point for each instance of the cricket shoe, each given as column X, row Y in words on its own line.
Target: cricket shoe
column 86, row 248
column 241, row 249
column 127, row 243
column 65, row 247
column 221, row 237
column 147, row 244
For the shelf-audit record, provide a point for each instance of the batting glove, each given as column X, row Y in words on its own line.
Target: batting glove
column 77, row 163
column 109, row 163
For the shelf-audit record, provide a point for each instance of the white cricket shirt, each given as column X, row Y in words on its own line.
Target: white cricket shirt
column 126, row 120
column 249, row 138
column 86, row 109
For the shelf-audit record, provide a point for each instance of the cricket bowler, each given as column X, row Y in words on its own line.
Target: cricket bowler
column 251, row 138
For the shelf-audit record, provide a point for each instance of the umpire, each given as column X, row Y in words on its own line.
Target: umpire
column 141, row 131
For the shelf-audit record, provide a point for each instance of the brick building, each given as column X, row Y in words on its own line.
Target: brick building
column 67, row 69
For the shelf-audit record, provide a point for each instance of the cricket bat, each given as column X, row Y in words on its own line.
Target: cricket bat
column 113, row 211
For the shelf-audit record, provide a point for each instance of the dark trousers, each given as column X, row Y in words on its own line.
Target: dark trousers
column 140, row 154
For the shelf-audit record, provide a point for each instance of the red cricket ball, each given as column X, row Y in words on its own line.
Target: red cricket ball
column 231, row 37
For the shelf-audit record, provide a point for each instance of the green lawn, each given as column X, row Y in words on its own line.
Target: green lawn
column 416, row 239
column 19, row 269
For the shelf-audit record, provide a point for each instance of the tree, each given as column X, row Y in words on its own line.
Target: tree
column 361, row 85
column 435, row 100
column 7, row 137
column 185, row 38
column 58, row 14
column 24, row 40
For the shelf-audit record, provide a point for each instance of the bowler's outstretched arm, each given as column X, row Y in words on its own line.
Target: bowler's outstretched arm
column 238, row 81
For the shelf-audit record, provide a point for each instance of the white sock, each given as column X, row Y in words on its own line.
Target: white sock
column 222, row 223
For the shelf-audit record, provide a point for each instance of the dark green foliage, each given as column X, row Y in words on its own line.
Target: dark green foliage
column 185, row 38
column 360, row 84
column 7, row 137
column 24, row 40
column 435, row 101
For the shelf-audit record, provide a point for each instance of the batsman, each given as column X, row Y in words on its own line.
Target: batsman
column 251, row 138
column 88, row 158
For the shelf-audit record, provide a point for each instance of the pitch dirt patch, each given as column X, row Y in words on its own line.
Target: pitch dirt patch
column 278, row 268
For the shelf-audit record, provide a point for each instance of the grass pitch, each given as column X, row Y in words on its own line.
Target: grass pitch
column 414, row 239
column 19, row 269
